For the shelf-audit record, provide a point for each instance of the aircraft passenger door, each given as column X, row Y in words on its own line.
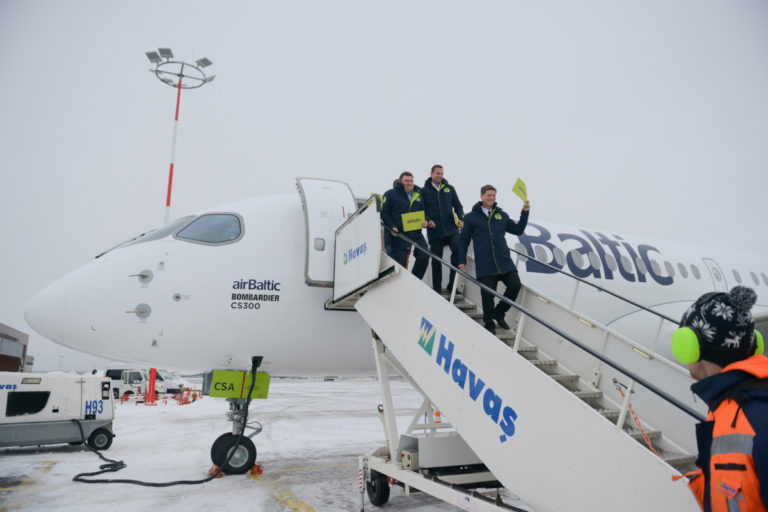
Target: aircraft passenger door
column 718, row 276
column 326, row 205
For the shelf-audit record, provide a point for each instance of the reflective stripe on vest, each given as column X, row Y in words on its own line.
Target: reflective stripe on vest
column 732, row 443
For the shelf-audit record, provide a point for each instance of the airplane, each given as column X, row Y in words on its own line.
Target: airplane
column 252, row 278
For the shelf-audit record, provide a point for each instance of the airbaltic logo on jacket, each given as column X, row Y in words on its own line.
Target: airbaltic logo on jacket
column 491, row 402
column 354, row 253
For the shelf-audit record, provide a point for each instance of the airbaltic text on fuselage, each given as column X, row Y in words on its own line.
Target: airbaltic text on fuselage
column 600, row 245
column 493, row 404
column 254, row 300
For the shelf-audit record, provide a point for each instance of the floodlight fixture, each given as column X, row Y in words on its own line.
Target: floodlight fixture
column 179, row 75
column 153, row 57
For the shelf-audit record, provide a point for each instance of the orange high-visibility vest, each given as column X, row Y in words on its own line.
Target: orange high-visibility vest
column 732, row 484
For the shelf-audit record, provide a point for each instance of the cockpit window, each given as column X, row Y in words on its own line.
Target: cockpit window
column 213, row 228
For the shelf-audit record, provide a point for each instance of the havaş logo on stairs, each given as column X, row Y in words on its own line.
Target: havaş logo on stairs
column 492, row 403
column 354, row 253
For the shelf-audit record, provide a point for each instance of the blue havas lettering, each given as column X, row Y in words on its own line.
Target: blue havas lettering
column 445, row 353
column 601, row 253
column 585, row 249
column 644, row 250
column 508, row 416
column 542, row 239
column 475, row 386
column 7, row 386
column 613, row 245
column 492, row 404
column 459, row 373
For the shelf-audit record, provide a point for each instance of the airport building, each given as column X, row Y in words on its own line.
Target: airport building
column 13, row 350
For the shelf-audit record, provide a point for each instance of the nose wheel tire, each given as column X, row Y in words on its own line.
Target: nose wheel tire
column 242, row 459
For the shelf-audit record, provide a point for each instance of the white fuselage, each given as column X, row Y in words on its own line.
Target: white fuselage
column 177, row 303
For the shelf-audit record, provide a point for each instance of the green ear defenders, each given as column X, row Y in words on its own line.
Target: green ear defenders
column 688, row 347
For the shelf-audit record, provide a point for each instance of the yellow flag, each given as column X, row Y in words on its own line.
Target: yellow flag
column 412, row 221
column 520, row 189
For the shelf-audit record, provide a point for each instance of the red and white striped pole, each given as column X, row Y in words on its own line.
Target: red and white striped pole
column 173, row 156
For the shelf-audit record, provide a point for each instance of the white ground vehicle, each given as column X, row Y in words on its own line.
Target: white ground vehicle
column 133, row 382
column 39, row 408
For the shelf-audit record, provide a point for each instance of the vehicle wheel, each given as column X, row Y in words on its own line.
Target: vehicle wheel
column 215, row 449
column 242, row 459
column 378, row 489
column 100, row 439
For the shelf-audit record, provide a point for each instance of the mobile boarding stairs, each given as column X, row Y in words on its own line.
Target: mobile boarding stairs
column 562, row 411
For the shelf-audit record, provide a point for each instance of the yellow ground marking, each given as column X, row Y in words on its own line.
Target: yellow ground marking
column 47, row 465
column 283, row 495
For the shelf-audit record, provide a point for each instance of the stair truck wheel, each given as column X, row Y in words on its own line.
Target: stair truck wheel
column 377, row 489
column 242, row 459
column 100, row 439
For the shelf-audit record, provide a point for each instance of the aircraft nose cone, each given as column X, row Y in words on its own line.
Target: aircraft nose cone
column 45, row 311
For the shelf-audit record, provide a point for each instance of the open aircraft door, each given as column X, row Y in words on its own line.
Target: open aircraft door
column 326, row 205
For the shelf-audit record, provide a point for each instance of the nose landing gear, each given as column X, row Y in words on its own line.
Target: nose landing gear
column 236, row 457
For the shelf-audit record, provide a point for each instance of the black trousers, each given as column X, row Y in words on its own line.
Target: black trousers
column 512, row 281
column 436, row 245
column 401, row 250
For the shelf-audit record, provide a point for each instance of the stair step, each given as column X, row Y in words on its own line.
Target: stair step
column 653, row 435
column 589, row 395
column 548, row 366
column 679, row 459
column 528, row 351
column 611, row 414
column 566, row 379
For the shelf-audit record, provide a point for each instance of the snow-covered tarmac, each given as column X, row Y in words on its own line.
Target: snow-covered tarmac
column 314, row 432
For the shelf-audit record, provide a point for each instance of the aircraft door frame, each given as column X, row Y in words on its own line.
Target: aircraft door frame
column 326, row 204
column 713, row 268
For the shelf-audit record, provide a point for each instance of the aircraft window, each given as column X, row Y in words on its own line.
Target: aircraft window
column 559, row 256
column 213, row 228
column 578, row 259
column 656, row 268
column 641, row 265
column 755, row 279
column 670, row 269
column 695, row 271
column 737, row 276
column 319, row 244
column 683, row 270
column 717, row 275
column 594, row 260
column 611, row 261
column 765, row 279
column 540, row 253
column 625, row 263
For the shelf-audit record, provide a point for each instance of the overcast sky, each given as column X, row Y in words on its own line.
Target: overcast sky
column 642, row 117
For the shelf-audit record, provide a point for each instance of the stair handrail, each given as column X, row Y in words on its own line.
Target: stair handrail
column 628, row 373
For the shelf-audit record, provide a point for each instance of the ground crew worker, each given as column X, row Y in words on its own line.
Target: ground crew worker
column 405, row 197
column 440, row 203
column 486, row 227
column 718, row 340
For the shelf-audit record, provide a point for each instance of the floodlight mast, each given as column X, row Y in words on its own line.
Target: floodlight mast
column 185, row 76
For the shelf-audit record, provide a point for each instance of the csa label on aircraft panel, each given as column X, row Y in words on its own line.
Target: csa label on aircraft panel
column 236, row 384
column 252, row 293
